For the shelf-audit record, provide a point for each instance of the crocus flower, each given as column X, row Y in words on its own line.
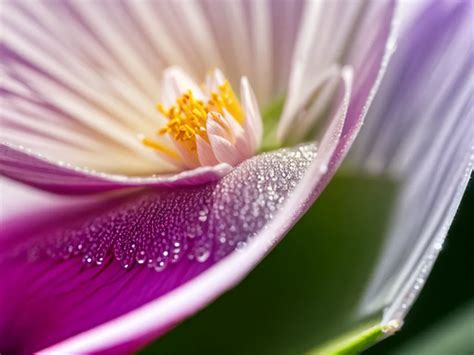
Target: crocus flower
column 175, row 206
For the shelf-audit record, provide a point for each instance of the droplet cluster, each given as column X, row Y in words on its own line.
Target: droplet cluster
column 160, row 227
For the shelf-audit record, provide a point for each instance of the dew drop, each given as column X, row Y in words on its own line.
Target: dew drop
column 202, row 254
column 160, row 227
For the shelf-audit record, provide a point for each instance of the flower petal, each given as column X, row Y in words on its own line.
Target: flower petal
column 31, row 168
column 175, row 82
column 203, row 223
column 80, row 79
column 142, row 311
column 253, row 126
column 420, row 132
column 213, row 234
column 204, row 152
column 335, row 34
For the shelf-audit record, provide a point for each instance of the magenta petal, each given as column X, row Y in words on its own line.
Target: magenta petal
column 63, row 305
column 35, row 170
column 50, row 296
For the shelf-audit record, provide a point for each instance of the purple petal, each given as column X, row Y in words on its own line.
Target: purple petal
column 201, row 241
column 95, row 308
column 183, row 232
column 31, row 168
column 420, row 132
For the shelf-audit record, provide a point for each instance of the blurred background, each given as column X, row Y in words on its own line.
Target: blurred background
column 302, row 293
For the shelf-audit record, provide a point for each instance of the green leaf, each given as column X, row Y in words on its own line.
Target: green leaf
column 307, row 290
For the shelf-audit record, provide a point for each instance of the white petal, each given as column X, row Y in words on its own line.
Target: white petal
column 215, row 128
column 239, row 136
column 253, row 125
column 176, row 82
column 225, row 151
column 302, row 111
column 99, row 63
column 205, row 154
column 190, row 160
column 213, row 79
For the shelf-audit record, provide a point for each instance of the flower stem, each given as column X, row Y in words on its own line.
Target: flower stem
column 353, row 342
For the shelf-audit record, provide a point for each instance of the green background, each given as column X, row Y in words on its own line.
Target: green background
column 305, row 291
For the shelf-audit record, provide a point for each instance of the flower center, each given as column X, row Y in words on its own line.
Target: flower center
column 188, row 116
column 206, row 125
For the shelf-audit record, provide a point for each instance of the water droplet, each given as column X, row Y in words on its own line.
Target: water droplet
column 158, row 228
column 202, row 254
column 141, row 257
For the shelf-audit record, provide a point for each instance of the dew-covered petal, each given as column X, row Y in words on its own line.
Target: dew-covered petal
column 83, row 270
column 33, row 169
column 183, row 232
column 420, row 131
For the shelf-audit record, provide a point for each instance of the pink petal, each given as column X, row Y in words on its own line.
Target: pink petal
column 215, row 129
column 146, row 306
column 225, row 151
column 240, row 138
column 70, row 297
column 213, row 80
column 204, row 151
column 94, row 308
column 35, row 170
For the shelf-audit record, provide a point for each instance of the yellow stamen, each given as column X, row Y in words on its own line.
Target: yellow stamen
column 188, row 116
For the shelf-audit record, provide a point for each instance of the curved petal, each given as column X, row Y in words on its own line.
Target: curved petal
column 202, row 240
column 31, row 168
column 253, row 126
column 335, row 34
column 140, row 315
column 420, row 131
column 204, row 152
column 180, row 233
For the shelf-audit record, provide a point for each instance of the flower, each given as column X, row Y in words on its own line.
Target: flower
column 208, row 126
column 90, row 81
column 90, row 72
